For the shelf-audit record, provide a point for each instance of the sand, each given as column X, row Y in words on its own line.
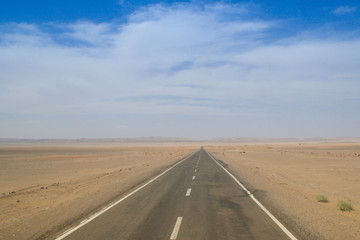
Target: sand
column 45, row 189
column 287, row 178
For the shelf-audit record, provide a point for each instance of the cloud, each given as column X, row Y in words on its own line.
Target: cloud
column 195, row 63
column 342, row 10
column 90, row 33
column 23, row 33
column 181, row 66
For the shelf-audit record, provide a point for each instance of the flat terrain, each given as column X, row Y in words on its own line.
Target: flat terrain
column 43, row 189
column 199, row 192
column 288, row 177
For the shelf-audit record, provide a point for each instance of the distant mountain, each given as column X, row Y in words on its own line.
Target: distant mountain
column 96, row 140
column 249, row 139
column 15, row 141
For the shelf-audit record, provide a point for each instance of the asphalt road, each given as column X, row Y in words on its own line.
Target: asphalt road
column 196, row 199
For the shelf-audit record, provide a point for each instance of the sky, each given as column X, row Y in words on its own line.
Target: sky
column 190, row 69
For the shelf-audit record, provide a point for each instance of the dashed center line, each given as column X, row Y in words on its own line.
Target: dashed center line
column 193, row 178
column 105, row 209
column 188, row 192
column 176, row 228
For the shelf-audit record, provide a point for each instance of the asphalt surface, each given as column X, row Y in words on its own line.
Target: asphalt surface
column 194, row 200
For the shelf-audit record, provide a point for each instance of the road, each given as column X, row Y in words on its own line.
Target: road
column 196, row 199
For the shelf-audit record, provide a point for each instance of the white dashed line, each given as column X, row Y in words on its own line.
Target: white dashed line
column 193, row 178
column 176, row 228
column 89, row 219
column 188, row 192
column 195, row 170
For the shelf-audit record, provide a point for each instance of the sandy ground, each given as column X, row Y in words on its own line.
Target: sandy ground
column 288, row 177
column 44, row 189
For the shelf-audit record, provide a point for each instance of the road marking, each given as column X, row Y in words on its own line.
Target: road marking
column 188, row 192
column 195, row 170
column 193, row 178
column 282, row 227
column 176, row 228
column 89, row 219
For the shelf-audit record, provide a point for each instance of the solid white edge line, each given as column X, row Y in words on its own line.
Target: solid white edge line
column 176, row 228
column 92, row 217
column 281, row 226
column 188, row 192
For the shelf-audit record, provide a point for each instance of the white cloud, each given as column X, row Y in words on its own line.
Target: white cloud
column 342, row 10
column 23, row 34
column 179, row 60
column 91, row 33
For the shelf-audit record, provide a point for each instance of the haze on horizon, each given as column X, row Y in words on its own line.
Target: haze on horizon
column 188, row 69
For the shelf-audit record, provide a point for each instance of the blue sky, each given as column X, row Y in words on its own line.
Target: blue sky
column 198, row 69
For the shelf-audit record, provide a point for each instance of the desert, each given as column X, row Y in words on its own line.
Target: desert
column 288, row 177
column 180, row 120
column 46, row 188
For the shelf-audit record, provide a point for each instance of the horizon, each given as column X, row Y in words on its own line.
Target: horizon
column 160, row 139
column 179, row 69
